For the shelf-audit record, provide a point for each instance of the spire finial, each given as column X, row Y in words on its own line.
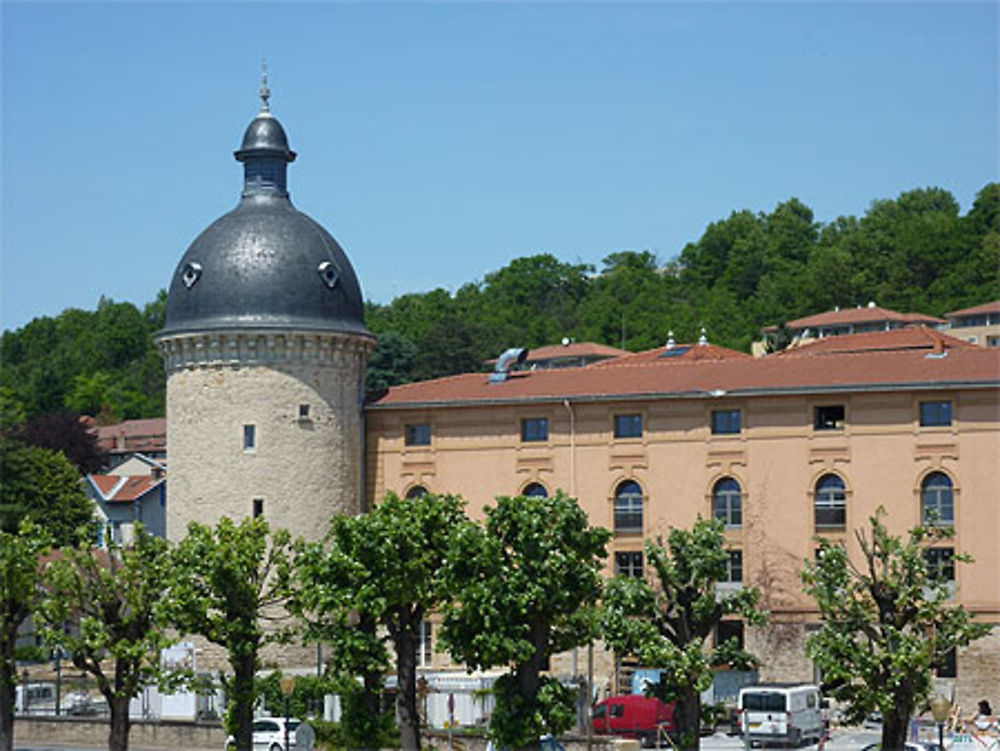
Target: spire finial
column 265, row 93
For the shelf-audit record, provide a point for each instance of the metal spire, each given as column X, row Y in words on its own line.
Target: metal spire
column 265, row 93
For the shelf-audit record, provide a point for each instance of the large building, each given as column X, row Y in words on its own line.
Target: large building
column 783, row 448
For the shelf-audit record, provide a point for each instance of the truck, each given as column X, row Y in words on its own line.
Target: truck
column 644, row 718
column 787, row 713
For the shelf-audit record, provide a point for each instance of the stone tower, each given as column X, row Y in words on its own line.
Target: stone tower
column 265, row 349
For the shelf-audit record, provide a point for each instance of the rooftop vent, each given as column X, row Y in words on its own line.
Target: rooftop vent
column 508, row 361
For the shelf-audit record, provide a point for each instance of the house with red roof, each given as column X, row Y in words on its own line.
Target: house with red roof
column 783, row 449
column 979, row 324
column 122, row 501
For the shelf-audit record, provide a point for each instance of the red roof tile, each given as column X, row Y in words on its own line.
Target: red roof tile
column 677, row 353
column 119, row 489
column 859, row 315
column 139, row 435
column 909, row 364
column 914, row 337
column 574, row 349
column 990, row 307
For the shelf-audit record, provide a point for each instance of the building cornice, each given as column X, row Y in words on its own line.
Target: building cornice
column 265, row 347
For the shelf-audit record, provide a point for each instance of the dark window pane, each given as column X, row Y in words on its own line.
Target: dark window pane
column 829, row 417
column 727, row 502
column 726, row 421
column 831, row 502
column 535, row 429
column 535, row 490
column 933, row 414
column 628, row 426
column 937, row 499
column 418, row 435
column 629, row 564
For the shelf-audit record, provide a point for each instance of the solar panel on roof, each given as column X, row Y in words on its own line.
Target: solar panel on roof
column 675, row 352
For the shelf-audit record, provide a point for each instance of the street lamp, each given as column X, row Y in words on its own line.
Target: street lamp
column 287, row 687
column 940, row 709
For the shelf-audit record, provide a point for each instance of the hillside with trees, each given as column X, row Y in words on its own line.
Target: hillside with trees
column 914, row 253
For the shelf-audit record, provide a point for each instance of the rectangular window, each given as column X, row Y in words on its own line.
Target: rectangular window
column 303, row 411
column 728, row 631
column 829, row 417
column 726, row 421
column 940, row 563
column 258, row 507
column 935, row 414
column 418, row 434
column 629, row 564
column 628, row 426
column 426, row 647
column 535, row 429
column 249, row 437
column 947, row 666
column 734, row 568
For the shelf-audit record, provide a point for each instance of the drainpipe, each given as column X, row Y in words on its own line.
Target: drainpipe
column 572, row 448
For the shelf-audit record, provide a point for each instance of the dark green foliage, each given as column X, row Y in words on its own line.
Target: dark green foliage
column 43, row 486
column 914, row 253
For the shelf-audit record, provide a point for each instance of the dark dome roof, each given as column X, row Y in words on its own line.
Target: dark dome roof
column 265, row 264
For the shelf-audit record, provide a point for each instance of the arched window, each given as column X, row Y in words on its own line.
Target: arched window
column 535, row 490
column 628, row 507
column 727, row 502
column 937, row 499
column 416, row 491
column 831, row 503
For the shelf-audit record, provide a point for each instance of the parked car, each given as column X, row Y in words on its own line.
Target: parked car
column 787, row 713
column 269, row 734
column 644, row 718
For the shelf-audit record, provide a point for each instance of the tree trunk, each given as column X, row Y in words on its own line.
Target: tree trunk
column 120, row 723
column 895, row 727
column 241, row 697
column 8, row 681
column 687, row 718
column 406, row 675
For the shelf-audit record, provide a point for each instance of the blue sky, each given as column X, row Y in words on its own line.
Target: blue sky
column 439, row 141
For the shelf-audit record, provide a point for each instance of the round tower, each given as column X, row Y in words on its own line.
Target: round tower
column 265, row 349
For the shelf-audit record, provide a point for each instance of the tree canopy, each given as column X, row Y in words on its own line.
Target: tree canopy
column 887, row 622
column 667, row 620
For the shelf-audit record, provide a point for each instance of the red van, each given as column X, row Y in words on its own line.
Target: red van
column 634, row 716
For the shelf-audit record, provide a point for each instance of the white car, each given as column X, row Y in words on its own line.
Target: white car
column 269, row 734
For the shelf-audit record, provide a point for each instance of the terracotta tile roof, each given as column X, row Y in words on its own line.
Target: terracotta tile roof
column 119, row 489
column 859, row 315
column 574, row 349
column 990, row 307
column 914, row 337
column 678, row 353
column 137, row 435
column 912, row 363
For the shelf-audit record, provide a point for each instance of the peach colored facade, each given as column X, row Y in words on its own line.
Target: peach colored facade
column 878, row 449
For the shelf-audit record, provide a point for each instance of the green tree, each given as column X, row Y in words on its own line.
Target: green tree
column 387, row 565
column 20, row 597
column 108, row 609
column 666, row 621
column 41, row 485
column 525, row 586
column 887, row 622
column 231, row 586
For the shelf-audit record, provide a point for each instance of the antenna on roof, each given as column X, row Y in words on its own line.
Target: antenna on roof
column 265, row 93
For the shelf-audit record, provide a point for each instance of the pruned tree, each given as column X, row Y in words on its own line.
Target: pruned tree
column 667, row 619
column 108, row 610
column 889, row 619
column 386, row 567
column 20, row 597
column 231, row 586
column 526, row 587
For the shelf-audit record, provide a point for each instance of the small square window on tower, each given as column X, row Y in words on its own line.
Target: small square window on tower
column 303, row 411
column 258, row 507
column 249, row 437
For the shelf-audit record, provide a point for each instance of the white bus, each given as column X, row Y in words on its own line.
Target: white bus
column 788, row 713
